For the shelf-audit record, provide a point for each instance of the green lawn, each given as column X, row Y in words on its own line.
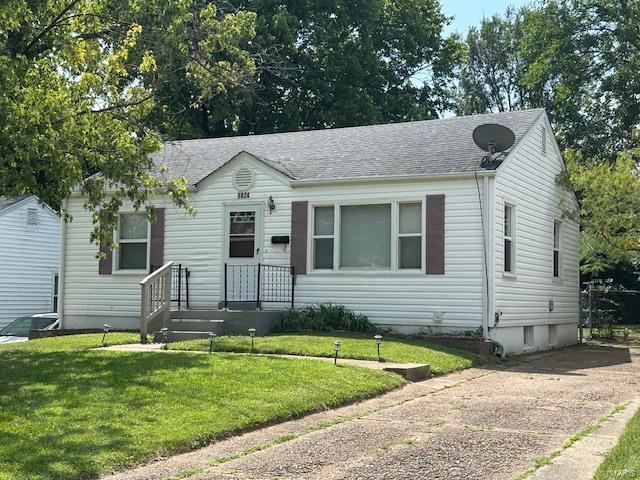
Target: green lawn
column 69, row 412
column 629, row 334
column 441, row 359
column 623, row 461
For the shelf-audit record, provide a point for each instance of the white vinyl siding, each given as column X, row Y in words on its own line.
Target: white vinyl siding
column 29, row 257
column 402, row 298
column 528, row 179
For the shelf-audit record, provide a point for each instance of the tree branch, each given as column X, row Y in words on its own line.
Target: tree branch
column 51, row 26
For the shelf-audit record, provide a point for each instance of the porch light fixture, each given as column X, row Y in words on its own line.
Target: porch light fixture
column 336, row 347
column 252, row 334
column 212, row 338
column 271, row 203
column 378, row 339
column 105, row 330
column 164, row 332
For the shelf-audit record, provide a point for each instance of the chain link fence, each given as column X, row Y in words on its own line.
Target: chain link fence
column 611, row 312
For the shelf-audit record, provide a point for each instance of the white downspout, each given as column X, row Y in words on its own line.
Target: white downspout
column 61, row 267
column 491, row 250
column 485, row 257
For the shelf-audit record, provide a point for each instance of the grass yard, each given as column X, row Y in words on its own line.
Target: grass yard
column 627, row 334
column 441, row 359
column 73, row 413
column 623, row 461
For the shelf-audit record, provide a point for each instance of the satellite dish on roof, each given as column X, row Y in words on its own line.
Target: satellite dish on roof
column 493, row 138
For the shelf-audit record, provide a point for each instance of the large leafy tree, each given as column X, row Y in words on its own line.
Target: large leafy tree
column 79, row 80
column 330, row 64
column 577, row 58
column 609, row 197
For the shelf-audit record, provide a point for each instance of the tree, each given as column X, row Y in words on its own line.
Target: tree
column 333, row 63
column 490, row 77
column 609, row 198
column 577, row 58
column 78, row 84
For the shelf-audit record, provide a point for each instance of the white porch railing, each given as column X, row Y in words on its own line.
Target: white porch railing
column 155, row 298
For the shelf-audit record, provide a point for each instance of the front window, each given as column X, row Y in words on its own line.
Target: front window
column 365, row 236
column 133, row 234
column 323, row 238
column 20, row 327
column 361, row 237
column 410, row 236
column 556, row 248
column 509, row 250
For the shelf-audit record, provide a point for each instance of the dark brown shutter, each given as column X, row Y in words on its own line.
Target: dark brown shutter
column 299, row 237
column 435, row 234
column 156, row 249
column 105, row 264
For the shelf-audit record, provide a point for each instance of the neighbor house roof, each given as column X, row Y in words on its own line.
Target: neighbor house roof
column 6, row 202
column 430, row 147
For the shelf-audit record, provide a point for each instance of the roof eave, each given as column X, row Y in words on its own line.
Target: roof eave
column 393, row 178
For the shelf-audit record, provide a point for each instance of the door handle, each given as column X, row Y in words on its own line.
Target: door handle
column 257, row 251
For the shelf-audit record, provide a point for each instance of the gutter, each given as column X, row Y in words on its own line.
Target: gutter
column 61, row 267
column 392, row 178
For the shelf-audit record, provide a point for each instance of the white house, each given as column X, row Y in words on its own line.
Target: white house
column 29, row 256
column 406, row 223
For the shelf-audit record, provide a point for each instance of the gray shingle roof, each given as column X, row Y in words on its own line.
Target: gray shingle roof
column 8, row 201
column 399, row 149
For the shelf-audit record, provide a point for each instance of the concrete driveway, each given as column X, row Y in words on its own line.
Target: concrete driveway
column 488, row 423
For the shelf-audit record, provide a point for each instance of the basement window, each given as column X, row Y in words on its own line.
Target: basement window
column 553, row 335
column 528, row 336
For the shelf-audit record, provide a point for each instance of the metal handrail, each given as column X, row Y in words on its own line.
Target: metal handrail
column 260, row 283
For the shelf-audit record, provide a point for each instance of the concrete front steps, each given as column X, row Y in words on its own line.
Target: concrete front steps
column 191, row 324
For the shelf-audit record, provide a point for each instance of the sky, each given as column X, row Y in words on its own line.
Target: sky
column 470, row 12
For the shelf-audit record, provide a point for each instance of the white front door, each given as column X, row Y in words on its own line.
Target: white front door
column 243, row 250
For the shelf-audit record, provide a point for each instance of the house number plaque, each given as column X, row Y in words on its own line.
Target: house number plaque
column 243, row 194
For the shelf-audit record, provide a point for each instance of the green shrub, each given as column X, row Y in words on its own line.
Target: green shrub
column 322, row 318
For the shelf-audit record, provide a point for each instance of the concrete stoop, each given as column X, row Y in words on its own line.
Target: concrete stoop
column 193, row 324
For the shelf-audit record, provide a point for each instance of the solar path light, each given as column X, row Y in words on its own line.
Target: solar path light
column 252, row 334
column 105, row 330
column 336, row 348
column 164, row 332
column 212, row 338
column 378, row 339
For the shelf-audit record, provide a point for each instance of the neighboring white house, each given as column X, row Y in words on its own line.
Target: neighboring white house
column 29, row 257
column 404, row 222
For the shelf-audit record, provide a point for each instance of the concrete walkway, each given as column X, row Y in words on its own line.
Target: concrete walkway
column 410, row 371
column 489, row 423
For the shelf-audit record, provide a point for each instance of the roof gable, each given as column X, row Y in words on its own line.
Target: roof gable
column 430, row 147
column 245, row 156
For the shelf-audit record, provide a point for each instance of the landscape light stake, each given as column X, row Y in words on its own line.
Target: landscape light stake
column 378, row 339
column 336, row 347
column 252, row 334
column 164, row 332
column 212, row 338
column 105, row 330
